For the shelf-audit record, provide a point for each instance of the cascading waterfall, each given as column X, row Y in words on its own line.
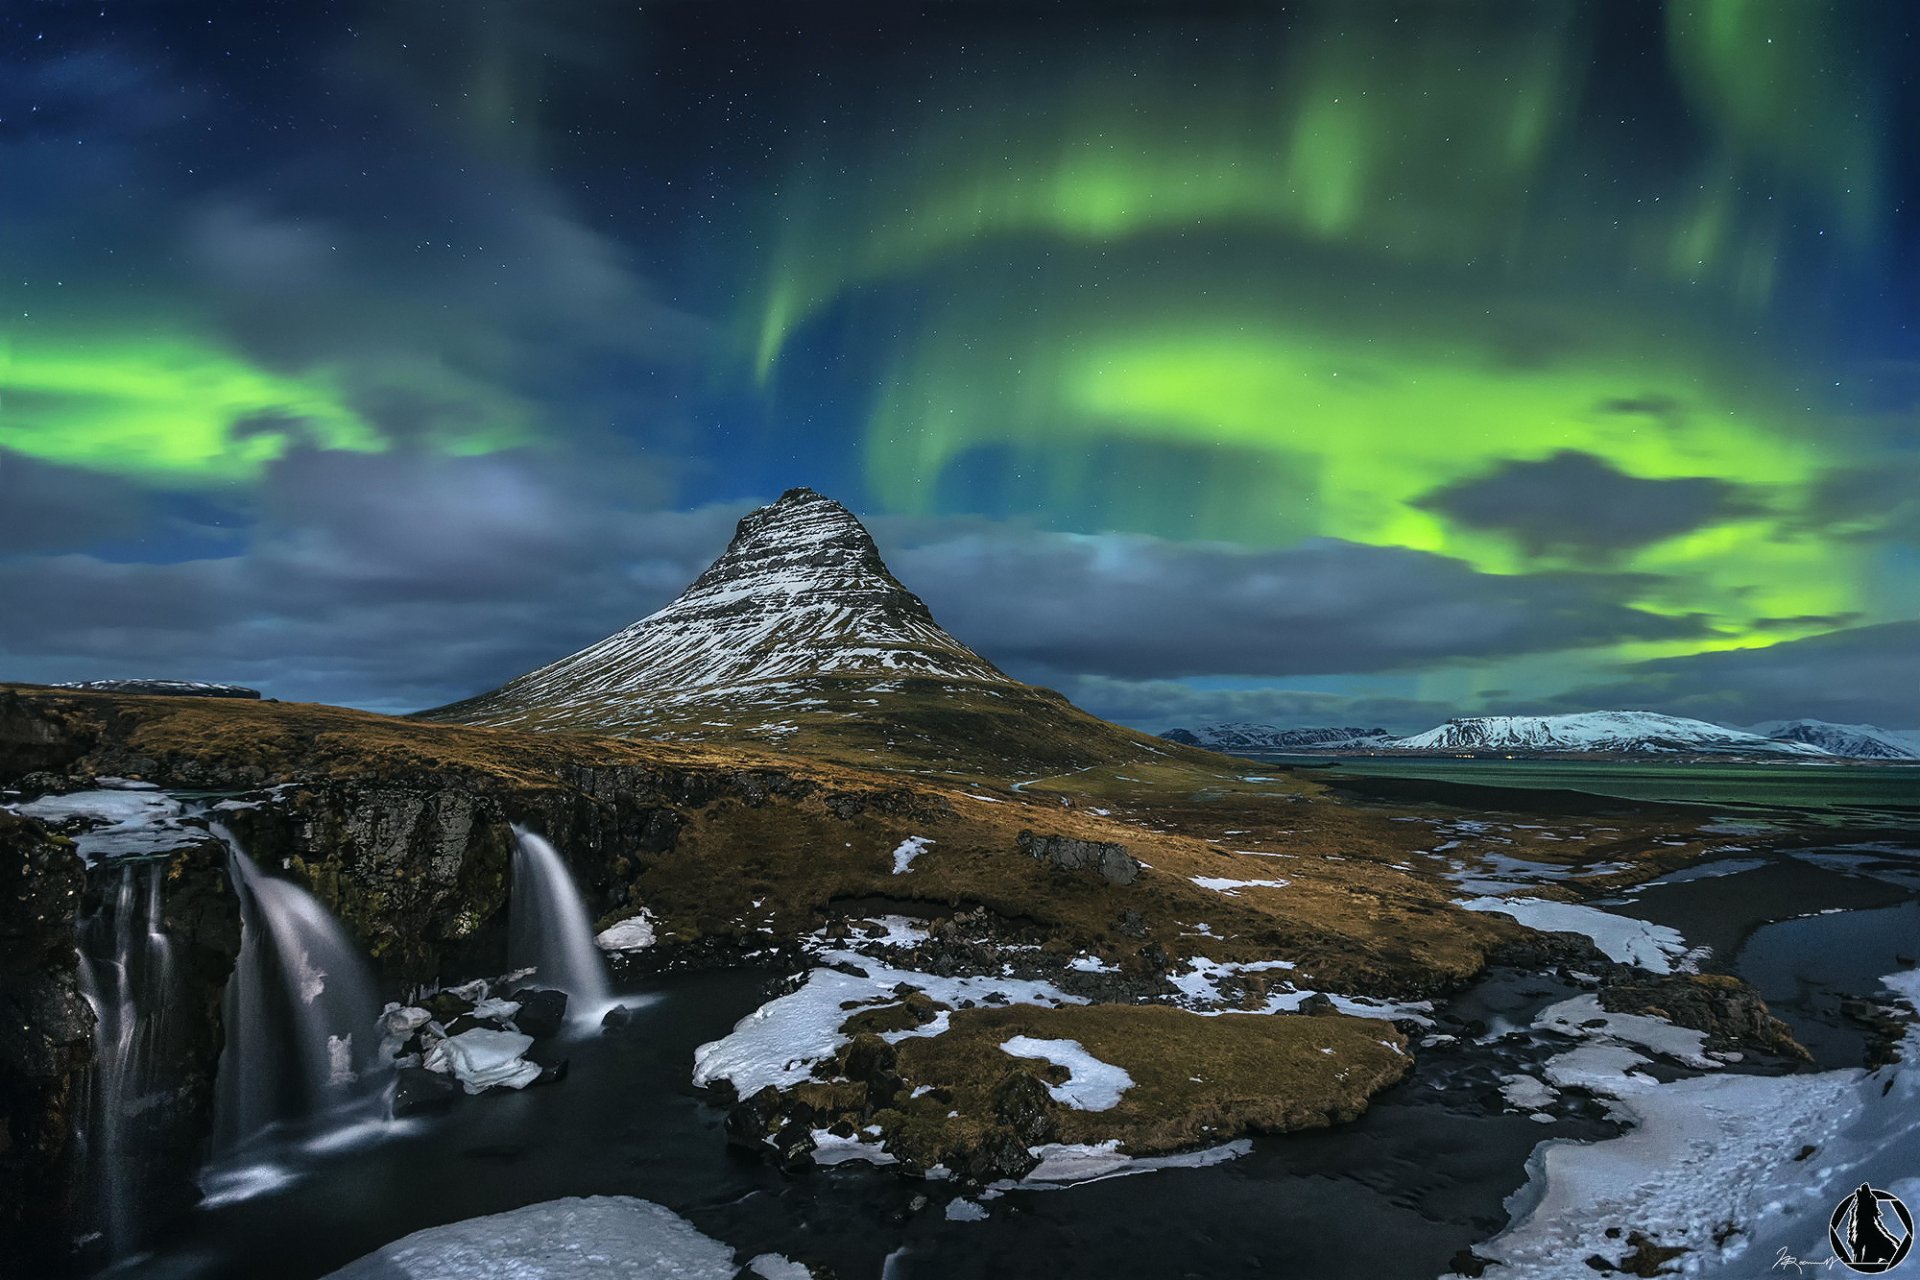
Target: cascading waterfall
column 549, row 931
column 301, row 1012
column 125, row 972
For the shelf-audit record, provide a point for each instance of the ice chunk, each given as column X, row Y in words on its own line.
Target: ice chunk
column 481, row 1058
column 635, row 933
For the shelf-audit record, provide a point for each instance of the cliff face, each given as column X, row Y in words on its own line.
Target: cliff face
column 45, row 1037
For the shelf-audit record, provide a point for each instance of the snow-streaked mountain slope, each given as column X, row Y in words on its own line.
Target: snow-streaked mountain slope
column 1854, row 741
column 799, row 636
column 1239, row 736
column 1604, row 732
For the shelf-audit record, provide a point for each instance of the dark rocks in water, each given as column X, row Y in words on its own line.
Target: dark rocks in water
column 169, row 688
column 447, row 1008
column 1468, row 1263
column 1730, row 1012
column 1021, row 1102
column 419, row 1092
column 542, row 1012
column 551, row 1072
column 793, row 1145
column 1107, row 859
column 750, row 1120
column 996, row 1152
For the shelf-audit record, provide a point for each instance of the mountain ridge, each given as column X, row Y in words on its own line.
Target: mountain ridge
column 798, row 637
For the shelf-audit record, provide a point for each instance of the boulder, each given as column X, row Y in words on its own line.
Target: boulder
column 1110, row 861
column 419, row 1092
column 542, row 1013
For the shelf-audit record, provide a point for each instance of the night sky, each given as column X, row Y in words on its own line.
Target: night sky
column 1342, row 363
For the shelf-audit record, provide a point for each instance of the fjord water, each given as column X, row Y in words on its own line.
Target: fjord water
column 549, row 931
column 1810, row 788
column 301, row 1012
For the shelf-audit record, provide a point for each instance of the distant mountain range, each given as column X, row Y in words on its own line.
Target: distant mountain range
column 799, row 637
column 1642, row 733
column 1236, row 738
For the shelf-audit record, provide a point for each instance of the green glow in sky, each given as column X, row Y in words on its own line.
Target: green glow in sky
column 188, row 412
column 1435, row 267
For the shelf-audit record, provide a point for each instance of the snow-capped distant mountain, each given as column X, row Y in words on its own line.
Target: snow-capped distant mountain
column 1602, row 732
column 171, row 688
column 1238, row 738
column 799, row 636
column 1855, row 741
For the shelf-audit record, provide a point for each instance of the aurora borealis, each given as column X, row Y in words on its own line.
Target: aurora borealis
column 1307, row 363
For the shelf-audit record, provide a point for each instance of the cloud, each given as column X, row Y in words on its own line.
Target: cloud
column 1865, row 674
column 393, row 581
column 1875, row 502
column 46, row 507
column 1136, row 607
column 1155, row 705
column 1577, row 503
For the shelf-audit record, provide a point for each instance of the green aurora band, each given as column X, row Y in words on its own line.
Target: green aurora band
column 1323, row 281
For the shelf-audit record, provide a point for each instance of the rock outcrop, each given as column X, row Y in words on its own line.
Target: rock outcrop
column 46, row 1044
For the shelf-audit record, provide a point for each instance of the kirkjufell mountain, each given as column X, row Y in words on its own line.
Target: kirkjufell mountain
column 799, row 636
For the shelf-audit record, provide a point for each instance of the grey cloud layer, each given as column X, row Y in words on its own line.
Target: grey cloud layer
column 1137, row 607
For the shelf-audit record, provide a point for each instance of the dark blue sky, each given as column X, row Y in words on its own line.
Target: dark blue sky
column 1307, row 363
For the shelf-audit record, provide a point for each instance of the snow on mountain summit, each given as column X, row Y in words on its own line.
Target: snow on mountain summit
column 1623, row 732
column 1855, row 741
column 800, row 594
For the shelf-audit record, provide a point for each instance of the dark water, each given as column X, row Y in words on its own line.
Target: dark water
column 1810, row 788
column 1422, row 1175
column 1807, row 929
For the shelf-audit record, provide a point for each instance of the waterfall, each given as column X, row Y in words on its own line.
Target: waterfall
column 548, row 928
column 125, row 972
column 301, row 1011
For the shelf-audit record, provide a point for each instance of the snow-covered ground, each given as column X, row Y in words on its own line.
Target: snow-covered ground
column 779, row 1042
column 1732, row 1168
column 591, row 1238
column 1625, row 940
column 135, row 821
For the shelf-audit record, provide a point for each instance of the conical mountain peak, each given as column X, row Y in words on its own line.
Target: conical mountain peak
column 800, row 601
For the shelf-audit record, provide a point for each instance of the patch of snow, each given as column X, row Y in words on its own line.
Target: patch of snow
column 779, row 1042
column 130, row 823
column 1583, row 1018
column 1623, row 939
column 1091, row 964
column 831, row 1149
column 1231, row 888
column 1067, row 1163
column 909, row 849
column 1091, row 1085
column 594, row 1238
column 1527, row 1093
column 635, row 933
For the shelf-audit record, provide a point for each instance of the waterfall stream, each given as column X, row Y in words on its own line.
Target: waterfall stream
column 301, row 1011
column 549, row 931
column 125, row 973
